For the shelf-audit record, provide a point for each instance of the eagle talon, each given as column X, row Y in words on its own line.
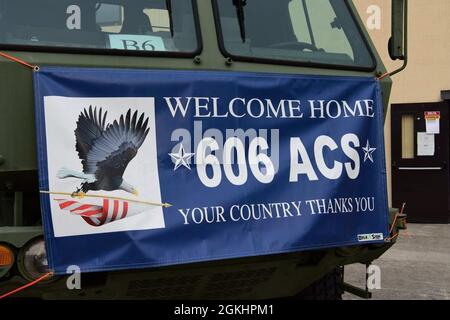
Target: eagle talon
column 79, row 194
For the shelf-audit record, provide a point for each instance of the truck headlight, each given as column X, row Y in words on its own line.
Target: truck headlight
column 6, row 259
column 32, row 260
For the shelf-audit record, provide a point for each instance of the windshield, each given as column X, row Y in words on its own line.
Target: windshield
column 138, row 25
column 298, row 31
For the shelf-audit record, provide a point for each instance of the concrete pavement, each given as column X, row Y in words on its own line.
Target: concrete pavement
column 417, row 267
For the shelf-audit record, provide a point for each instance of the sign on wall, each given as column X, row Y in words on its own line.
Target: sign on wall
column 150, row 168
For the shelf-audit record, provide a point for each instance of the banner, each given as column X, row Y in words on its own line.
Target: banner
column 142, row 168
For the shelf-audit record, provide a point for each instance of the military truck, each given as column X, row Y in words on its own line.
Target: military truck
column 312, row 37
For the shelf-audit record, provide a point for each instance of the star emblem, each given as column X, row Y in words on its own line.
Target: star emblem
column 368, row 152
column 181, row 158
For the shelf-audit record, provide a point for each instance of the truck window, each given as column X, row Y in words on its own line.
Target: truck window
column 112, row 25
column 292, row 32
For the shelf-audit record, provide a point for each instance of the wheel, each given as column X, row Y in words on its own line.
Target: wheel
column 327, row 288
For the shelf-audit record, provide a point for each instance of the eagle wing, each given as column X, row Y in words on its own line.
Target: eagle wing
column 90, row 126
column 117, row 146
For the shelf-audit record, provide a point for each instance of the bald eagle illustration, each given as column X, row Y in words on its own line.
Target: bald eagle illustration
column 106, row 151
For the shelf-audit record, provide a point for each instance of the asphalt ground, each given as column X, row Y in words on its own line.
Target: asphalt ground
column 417, row 267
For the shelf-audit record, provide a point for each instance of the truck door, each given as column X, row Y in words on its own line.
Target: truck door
column 420, row 161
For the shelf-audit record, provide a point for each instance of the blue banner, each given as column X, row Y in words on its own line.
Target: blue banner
column 142, row 168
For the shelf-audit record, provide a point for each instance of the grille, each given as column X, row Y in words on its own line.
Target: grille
column 237, row 283
column 221, row 285
column 6, row 209
column 19, row 209
column 180, row 287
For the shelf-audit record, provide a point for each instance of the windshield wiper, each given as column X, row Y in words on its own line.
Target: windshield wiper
column 240, row 4
column 169, row 11
column 308, row 22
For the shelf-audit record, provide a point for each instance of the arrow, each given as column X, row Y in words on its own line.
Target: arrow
column 164, row 205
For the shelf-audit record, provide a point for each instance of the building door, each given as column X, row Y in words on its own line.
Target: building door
column 420, row 161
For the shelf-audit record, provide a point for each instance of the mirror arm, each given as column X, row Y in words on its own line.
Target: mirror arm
column 405, row 48
column 405, row 59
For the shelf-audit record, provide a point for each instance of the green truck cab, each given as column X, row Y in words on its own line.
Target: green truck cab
column 312, row 37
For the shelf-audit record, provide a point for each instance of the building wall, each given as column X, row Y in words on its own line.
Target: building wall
column 428, row 70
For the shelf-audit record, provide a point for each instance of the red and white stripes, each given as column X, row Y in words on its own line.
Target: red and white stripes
column 114, row 210
column 95, row 215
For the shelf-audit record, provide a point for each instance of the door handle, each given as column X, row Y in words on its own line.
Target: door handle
column 420, row 168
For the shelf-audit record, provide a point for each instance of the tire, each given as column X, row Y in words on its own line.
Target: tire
column 327, row 288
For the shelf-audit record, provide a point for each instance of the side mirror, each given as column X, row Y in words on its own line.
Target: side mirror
column 398, row 41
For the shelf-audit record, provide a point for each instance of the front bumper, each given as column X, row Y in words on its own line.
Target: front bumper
column 264, row 277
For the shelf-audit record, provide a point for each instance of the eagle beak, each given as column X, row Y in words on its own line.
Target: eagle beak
column 136, row 193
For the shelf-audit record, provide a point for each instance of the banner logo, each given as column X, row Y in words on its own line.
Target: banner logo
column 101, row 153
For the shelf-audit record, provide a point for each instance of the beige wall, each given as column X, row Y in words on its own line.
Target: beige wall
column 428, row 70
